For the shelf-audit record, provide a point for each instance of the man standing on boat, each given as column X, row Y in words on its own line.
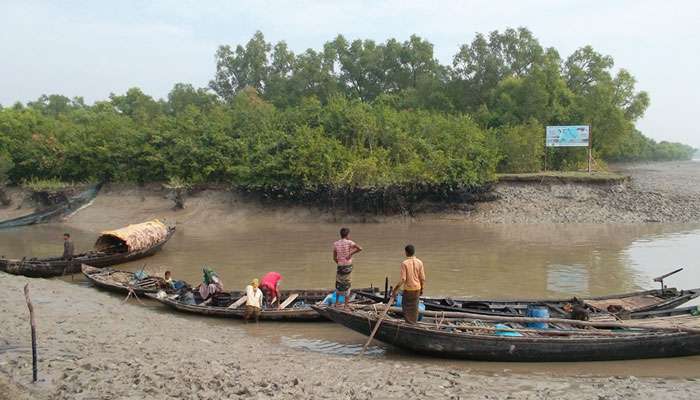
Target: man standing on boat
column 413, row 282
column 343, row 250
column 68, row 248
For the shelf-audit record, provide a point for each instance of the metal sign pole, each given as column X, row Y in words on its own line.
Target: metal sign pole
column 590, row 153
column 545, row 149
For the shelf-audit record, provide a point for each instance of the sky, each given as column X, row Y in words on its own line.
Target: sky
column 94, row 48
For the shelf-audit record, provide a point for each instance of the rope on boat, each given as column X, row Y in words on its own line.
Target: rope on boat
column 132, row 292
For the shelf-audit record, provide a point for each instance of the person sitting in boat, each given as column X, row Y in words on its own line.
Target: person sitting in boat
column 211, row 284
column 172, row 284
column 254, row 301
column 270, row 286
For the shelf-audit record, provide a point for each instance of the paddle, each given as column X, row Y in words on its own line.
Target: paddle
column 394, row 291
column 289, row 300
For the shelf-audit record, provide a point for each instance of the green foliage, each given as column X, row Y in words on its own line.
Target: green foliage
column 640, row 148
column 6, row 164
column 521, row 147
column 353, row 115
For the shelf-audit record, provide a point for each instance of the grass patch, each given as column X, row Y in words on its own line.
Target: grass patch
column 564, row 176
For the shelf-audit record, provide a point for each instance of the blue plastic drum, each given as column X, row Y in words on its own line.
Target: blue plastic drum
column 537, row 311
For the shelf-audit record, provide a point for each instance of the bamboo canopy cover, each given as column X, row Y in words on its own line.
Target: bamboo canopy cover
column 134, row 237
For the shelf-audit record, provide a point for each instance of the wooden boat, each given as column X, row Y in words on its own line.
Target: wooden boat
column 72, row 205
column 625, row 303
column 475, row 338
column 299, row 309
column 112, row 247
column 123, row 281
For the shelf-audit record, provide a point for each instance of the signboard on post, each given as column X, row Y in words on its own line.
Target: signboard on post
column 568, row 136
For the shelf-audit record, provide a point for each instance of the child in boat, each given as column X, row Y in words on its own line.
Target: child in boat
column 254, row 301
column 270, row 286
column 172, row 284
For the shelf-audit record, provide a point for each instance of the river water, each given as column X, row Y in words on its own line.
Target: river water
column 461, row 259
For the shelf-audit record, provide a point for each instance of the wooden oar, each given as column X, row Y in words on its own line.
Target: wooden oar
column 289, row 300
column 546, row 320
column 394, row 291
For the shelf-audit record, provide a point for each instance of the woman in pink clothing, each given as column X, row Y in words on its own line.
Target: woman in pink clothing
column 211, row 284
column 270, row 286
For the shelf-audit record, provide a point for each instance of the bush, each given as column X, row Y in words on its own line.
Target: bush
column 521, row 147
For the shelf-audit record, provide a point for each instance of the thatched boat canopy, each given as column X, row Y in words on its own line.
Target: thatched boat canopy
column 133, row 237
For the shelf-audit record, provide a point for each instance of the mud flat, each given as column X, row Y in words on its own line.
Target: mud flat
column 91, row 346
column 666, row 192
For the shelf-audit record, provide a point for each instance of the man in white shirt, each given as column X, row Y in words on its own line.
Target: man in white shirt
column 254, row 301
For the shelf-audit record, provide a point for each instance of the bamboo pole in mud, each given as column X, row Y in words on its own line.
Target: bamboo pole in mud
column 32, row 323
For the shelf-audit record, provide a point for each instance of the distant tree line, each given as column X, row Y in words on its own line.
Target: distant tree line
column 352, row 116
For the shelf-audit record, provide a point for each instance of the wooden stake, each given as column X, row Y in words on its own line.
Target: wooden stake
column 32, row 323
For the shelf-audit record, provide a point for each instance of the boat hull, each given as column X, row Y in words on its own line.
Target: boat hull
column 519, row 349
column 97, row 278
column 54, row 212
column 289, row 314
column 668, row 299
column 46, row 268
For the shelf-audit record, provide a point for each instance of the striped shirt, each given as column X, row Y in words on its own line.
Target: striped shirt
column 343, row 248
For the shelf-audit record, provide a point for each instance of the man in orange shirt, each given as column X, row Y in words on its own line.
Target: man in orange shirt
column 413, row 282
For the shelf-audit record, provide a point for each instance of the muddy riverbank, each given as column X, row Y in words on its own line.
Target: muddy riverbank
column 667, row 192
column 91, row 346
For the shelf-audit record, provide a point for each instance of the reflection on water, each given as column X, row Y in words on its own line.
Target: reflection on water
column 567, row 279
column 496, row 261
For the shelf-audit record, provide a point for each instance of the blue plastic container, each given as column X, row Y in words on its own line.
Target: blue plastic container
column 536, row 311
column 505, row 330
column 421, row 306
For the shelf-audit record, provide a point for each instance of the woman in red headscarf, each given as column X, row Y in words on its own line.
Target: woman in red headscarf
column 270, row 286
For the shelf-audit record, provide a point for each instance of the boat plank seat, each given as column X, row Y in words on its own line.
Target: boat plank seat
column 289, row 300
column 239, row 302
